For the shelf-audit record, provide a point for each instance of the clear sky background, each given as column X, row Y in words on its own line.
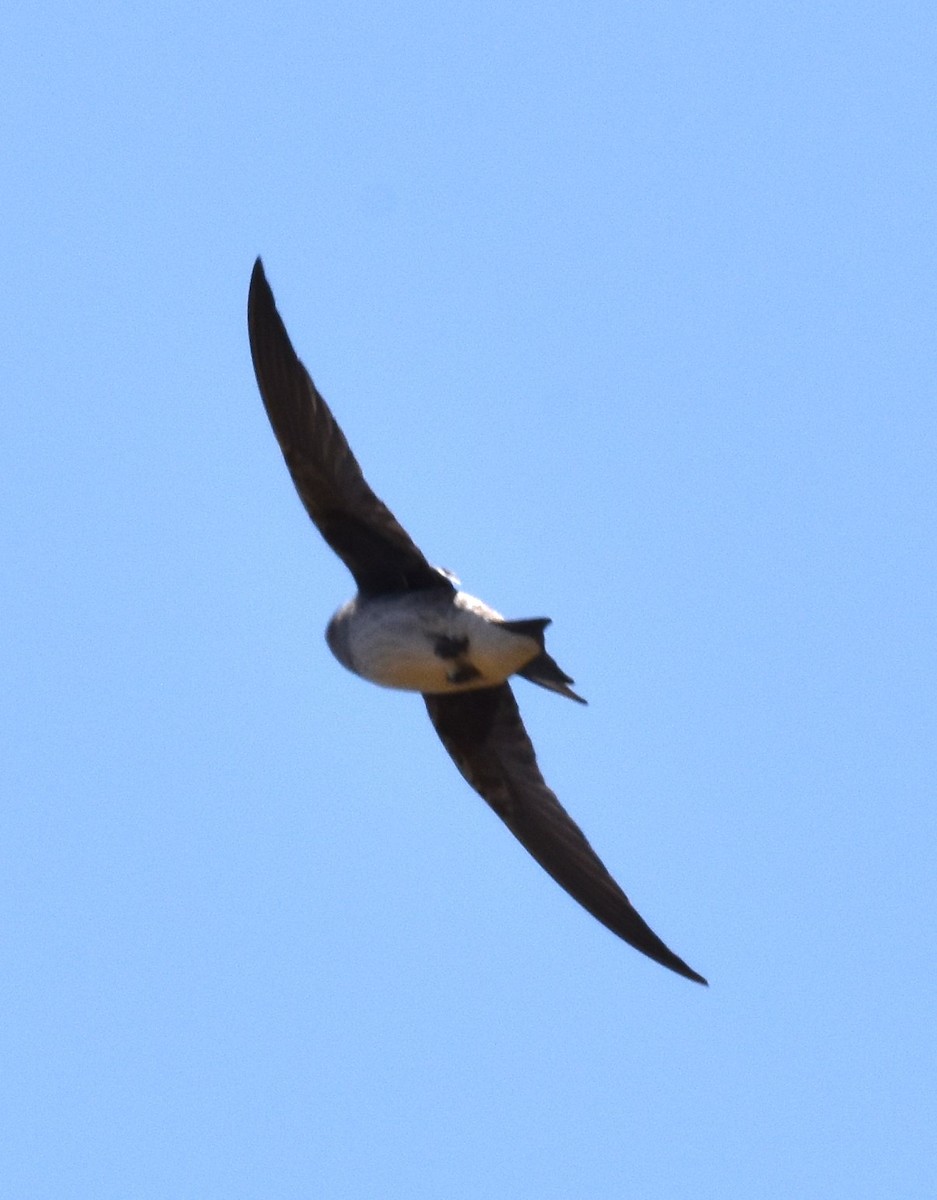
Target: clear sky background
column 628, row 310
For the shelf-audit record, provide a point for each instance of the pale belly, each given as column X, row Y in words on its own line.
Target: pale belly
column 427, row 642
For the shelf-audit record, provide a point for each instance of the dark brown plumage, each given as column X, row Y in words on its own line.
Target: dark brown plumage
column 356, row 524
column 487, row 741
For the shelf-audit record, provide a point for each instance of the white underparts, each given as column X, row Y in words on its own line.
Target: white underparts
column 432, row 641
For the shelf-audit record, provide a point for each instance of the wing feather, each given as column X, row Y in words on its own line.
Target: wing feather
column 485, row 736
column 356, row 524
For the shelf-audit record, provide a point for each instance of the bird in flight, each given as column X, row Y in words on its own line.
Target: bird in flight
column 411, row 627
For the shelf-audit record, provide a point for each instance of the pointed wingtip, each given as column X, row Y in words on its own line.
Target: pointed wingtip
column 261, row 306
column 675, row 963
column 637, row 933
column 258, row 277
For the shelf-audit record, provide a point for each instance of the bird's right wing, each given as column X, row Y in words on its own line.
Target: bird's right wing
column 356, row 524
column 483, row 732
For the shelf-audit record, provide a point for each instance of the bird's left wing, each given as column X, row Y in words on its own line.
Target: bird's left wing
column 483, row 732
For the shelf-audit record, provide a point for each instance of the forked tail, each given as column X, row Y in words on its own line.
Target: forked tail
column 542, row 670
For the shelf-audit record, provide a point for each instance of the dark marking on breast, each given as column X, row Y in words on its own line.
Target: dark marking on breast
column 464, row 673
column 449, row 647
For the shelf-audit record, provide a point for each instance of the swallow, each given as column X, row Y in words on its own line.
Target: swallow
column 411, row 627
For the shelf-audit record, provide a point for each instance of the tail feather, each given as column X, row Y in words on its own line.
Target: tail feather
column 531, row 627
column 545, row 672
column 542, row 670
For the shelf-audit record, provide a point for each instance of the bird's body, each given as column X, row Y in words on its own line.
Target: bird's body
column 433, row 640
column 409, row 627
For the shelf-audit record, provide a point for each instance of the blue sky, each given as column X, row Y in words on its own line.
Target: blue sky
column 628, row 311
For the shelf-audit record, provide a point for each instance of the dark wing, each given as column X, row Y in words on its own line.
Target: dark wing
column 485, row 735
column 354, row 522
